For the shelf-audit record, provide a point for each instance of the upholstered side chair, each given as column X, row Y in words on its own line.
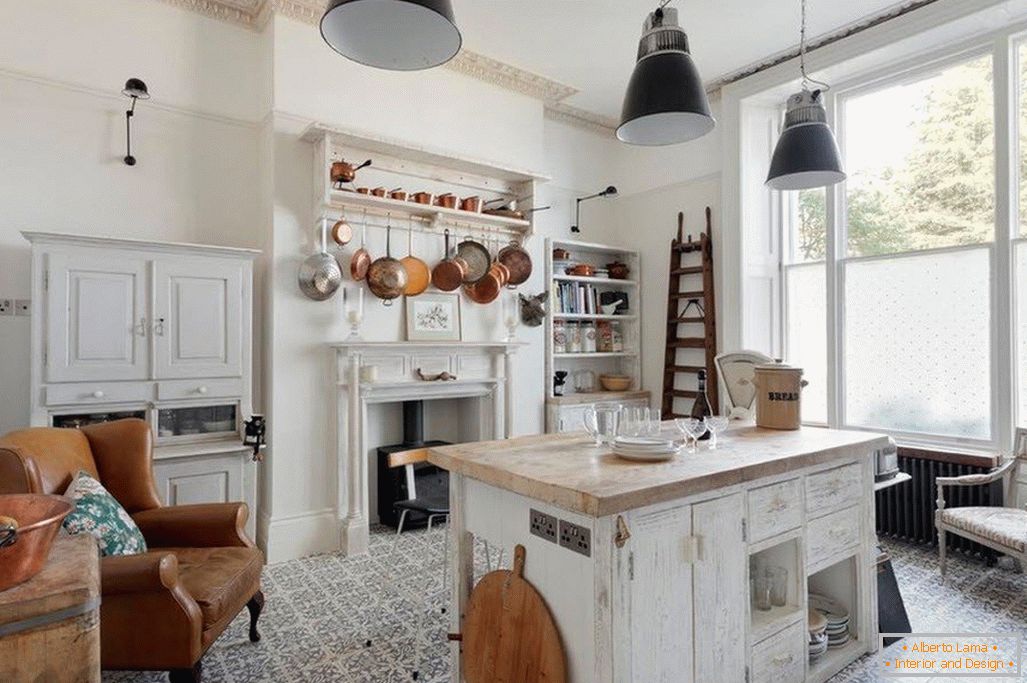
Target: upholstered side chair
column 1001, row 528
column 161, row 610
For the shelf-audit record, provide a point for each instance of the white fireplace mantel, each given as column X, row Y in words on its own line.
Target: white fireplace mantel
column 482, row 369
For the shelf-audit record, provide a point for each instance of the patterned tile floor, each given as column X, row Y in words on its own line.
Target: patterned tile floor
column 321, row 609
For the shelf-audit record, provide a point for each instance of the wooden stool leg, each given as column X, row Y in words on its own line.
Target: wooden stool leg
column 255, row 606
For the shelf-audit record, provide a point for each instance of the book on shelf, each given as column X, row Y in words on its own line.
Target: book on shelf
column 576, row 298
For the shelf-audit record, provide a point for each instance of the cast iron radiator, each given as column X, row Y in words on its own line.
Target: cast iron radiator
column 906, row 511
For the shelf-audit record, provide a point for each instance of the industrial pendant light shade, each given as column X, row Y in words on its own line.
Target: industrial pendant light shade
column 665, row 102
column 134, row 87
column 400, row 35
column 806, row 155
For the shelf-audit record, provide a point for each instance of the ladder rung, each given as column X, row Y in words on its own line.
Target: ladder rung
column 694, row 369
column 690, row 270
column 689, row 319
column 682, row 393
column 688, row 343
column 687, row 247
column 697, row 294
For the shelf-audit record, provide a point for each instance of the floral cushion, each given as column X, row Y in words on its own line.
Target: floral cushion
column 97, row 513
column 1007, row 526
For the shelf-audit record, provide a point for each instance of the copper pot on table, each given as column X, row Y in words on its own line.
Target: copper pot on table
column 29, row 522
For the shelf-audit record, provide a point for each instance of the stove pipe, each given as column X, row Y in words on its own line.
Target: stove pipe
column 413, row 423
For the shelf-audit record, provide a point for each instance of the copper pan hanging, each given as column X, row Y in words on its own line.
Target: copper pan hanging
column 342, row 232
column 486, row 289
column 386, row 276
column 361, row 258
column 518, row 262
column 448, row 273
column 418, row 273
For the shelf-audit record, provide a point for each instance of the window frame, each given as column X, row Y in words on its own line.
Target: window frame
column 1003, row 47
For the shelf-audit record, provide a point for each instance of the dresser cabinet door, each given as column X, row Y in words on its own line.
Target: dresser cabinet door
column 198, row 318
column 719, row 589
column 213, row 478
column 655, row 609
column 96, row 312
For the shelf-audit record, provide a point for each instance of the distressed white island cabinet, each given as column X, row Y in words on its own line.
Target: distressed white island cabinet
column 645, row 567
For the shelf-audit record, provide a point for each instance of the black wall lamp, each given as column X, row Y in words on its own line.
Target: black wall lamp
column 135, row 89
column 610, row 191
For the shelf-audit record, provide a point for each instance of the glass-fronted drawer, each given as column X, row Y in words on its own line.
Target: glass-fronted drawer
column 76, row 420
column 194, row 423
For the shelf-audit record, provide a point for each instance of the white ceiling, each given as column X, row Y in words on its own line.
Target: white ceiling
column 591, row 44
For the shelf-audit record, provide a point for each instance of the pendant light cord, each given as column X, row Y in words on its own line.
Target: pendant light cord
column 806, row 79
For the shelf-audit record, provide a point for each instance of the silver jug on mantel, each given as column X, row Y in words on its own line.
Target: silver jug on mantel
column 778, row 395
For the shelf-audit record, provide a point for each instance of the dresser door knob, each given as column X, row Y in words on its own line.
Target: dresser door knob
column 98, row 394
column 202, row 390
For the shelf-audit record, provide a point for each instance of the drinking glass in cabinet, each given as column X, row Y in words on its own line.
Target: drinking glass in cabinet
column 197, row 421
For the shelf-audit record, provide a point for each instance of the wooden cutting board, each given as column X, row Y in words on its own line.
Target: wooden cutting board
column 508, row 633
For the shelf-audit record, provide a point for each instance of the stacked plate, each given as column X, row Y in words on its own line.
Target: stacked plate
column 645, row 449
column 836, row 617
column 817, row 633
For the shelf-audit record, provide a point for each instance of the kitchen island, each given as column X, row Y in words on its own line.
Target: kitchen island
column 645, row 566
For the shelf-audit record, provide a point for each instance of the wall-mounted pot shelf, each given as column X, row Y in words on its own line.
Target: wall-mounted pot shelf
column 436, row 216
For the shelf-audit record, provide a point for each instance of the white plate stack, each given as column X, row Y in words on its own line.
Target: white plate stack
column 836, row 618
column 817, row 634
column 645, row 449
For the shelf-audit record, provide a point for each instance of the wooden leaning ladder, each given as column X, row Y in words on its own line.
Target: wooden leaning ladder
column 690, row 307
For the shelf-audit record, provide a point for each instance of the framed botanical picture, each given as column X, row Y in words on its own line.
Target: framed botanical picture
column 433, row 317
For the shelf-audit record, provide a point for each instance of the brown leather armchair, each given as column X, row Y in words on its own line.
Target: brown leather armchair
column 161, row 609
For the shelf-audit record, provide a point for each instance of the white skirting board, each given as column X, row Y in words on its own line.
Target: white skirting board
column 289, row 537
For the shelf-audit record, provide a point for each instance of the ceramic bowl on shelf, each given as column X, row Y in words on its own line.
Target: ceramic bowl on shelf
column 615, row 382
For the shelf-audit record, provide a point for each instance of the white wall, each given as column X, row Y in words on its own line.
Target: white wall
column 63, row 139
column 448, row 112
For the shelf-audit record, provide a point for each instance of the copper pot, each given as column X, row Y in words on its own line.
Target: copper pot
column 398, row 194
column 386, row 276
column 472, row 204
column 618, row 270
column 561, row 254
column 361, row 258
column 423, row 197
column 446, row 201
column 486, row 290
column 583, row 270
column 363, row 190
column 378, row 192
column 345, row 172
column 25, row 544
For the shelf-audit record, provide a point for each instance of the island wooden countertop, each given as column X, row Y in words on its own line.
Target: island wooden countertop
column 569, row 471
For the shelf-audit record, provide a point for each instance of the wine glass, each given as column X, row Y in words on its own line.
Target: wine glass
column 693, row 428
column 715, row 424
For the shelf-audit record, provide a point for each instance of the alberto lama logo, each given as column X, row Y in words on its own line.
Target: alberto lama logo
column 962, row 655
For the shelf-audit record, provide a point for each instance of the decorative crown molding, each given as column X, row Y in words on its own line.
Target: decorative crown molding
column 254, row 15
column 582, row 118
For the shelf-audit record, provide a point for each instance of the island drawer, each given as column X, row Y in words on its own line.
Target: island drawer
column 781, row 658
column 833, row 489
column 774, row 509
column 831, row 535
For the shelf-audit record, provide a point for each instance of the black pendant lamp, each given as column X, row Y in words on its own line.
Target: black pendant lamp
column 399, row 35
column 806, row 155
column 135, row 89
column 665, row 102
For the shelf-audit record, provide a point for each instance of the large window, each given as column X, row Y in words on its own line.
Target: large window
column 909, row 241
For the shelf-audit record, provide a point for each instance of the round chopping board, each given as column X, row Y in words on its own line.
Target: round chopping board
column 508, row 633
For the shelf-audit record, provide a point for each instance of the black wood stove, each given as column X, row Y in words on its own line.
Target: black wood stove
column 392, row 483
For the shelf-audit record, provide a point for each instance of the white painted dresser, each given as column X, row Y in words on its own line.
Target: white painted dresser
column 154, row 330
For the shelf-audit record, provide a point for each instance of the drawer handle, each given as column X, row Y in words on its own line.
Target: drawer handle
column 202, row 390
column 98, row 394
column 782, row 660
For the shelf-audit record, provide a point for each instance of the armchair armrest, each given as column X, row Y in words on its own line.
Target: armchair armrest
column 147, row 572
column 149, row 618
column 206, row 525
column 972, row 480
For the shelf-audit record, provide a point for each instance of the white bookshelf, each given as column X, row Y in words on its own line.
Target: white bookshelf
column 563, row 413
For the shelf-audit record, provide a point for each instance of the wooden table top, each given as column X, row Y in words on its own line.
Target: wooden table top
column 569, row 471
column 70, row 579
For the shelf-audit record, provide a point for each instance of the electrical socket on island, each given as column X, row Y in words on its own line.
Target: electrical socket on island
column 15, row 307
